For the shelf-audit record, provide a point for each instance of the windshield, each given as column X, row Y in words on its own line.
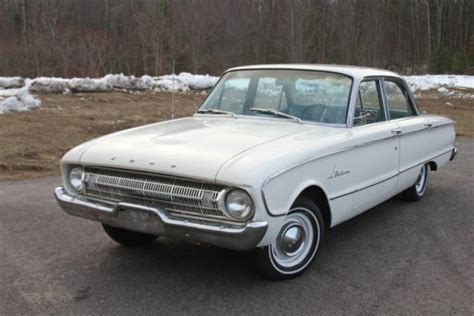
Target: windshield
column 308, row 95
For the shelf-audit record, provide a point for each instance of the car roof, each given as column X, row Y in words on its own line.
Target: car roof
column 356, row 72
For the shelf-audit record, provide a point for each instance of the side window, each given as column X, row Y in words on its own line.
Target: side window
column 369, row 109
column 397, row 101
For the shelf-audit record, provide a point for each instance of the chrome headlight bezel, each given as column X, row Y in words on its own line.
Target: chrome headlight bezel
column 75, row 179
column 231, row 198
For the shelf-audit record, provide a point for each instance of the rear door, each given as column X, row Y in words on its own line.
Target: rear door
column 413, row 130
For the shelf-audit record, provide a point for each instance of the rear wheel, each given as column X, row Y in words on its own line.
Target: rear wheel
column 417, row 190
column 128, row 237
column 296, row 245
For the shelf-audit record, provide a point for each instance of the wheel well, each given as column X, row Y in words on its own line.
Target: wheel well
column 433, row 165
column 317, row 195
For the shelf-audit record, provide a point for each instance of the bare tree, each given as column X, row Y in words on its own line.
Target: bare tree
column 92, row 38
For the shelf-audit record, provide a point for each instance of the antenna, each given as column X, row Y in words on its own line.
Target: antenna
column 172, row 91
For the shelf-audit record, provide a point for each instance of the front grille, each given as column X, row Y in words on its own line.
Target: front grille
column 179, row 196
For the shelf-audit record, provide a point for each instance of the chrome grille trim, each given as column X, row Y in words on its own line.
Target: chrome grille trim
column 179, row 196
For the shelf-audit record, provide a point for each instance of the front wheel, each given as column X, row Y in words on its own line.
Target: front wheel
column 417, row 190
column 296, row 245
column 127, row 237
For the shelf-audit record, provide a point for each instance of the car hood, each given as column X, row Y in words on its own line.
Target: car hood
column 193, row 147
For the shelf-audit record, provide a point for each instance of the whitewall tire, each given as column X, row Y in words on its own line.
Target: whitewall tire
column 297, row 243
column 417, row 190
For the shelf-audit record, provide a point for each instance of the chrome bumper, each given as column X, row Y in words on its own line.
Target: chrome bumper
column 155, row 221
column 453, row 154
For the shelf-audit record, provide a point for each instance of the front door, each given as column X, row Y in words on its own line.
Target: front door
column 373, row 164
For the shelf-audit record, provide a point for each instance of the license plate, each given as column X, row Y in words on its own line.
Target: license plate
column 138, row 216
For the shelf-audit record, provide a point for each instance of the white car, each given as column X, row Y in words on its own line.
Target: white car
column 274, row 157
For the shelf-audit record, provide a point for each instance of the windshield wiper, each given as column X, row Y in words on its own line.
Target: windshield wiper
column 277, row 113
column 216, row 111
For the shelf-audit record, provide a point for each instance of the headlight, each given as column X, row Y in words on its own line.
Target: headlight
column 238, row 204
column 75, row 179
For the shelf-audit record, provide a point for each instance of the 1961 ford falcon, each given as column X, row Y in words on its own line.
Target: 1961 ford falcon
column 274, row 157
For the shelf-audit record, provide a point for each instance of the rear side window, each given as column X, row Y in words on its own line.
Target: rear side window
column 397, row 100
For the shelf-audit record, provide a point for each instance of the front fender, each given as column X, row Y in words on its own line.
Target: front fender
column 280, row 192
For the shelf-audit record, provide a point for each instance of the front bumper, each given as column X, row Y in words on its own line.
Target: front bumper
column 155, row 221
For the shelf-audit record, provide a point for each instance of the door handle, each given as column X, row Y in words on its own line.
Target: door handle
column 397, row 131
column 428, row 124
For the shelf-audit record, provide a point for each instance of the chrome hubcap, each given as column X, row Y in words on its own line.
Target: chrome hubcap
column 291, row 239
column 420, row 182
column 294, row 242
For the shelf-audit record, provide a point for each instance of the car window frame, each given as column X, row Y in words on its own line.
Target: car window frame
column 349, row 106
column 380, row 95
column 407, row 93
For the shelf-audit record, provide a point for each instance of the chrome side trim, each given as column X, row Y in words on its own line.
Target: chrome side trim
column 155, row 221
column 344, row 149
column 328, row 154
column 426, row 161
column 270, row 178
column 265, row 204
column 352, row 191
column 427, row 127
column 363, row 188
column 442, row 125
column 395, row 175
column 413, row 132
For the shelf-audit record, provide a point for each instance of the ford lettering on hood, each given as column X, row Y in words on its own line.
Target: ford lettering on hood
column 191, row 147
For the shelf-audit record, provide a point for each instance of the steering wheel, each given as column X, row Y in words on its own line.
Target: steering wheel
column 322, row 118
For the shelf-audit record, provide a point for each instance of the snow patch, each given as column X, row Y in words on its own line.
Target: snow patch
column 197, row 82
column 8, row 92
column 186, row 81
column 443, row 90
column 48, row 85
column 129, row 82
column 428, row 82
column 88, row 85
column 18, row 100
column 11, row 82
column 15, row 91
column 459, row 93
column 182, row 82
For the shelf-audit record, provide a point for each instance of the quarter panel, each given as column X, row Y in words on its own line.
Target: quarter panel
column 414, row 148
column 442, row 136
